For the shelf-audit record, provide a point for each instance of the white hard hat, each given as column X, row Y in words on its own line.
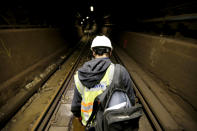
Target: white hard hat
column 101, row 41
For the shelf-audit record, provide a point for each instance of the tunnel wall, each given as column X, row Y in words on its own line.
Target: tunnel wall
column 20, row 52
column 174, row 62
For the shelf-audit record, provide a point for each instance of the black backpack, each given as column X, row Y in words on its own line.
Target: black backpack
column 122, row 119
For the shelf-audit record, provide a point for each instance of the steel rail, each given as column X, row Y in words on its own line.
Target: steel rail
column 152, row 119
column 8, row 110
column 43, row 120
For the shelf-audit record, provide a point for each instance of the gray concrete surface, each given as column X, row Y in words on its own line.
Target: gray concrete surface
column 24, row 53
column 172, row 61
column 33, row 111
column 63, row 117
column 168, row 68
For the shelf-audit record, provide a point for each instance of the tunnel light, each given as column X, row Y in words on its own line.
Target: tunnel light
column 87, row 17
column 91, row 8
column 83, row 19
column 82, row 23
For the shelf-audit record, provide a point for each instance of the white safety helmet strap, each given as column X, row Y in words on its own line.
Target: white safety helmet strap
column 101, row 41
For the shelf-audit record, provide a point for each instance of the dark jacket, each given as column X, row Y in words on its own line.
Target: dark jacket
column 90, row 74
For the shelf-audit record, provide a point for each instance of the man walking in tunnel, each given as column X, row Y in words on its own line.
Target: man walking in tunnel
column 94, row 77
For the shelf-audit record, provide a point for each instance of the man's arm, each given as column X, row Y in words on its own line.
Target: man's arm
column 76, row 103
column 128, row 83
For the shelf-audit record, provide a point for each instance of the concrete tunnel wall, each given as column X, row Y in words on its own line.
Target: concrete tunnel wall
column 174, row 62
column 21, row 50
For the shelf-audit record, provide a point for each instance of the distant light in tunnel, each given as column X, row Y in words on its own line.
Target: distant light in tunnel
column 83, row 19
column 91, row 8
column 82, row 23
column 87, row 17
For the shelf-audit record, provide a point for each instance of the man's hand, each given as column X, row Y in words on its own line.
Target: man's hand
column 76, row 125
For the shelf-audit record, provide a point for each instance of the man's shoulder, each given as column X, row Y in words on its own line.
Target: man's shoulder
column 121, row 67
column 123, row 70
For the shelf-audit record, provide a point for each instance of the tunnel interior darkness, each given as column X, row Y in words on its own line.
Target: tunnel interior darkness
column 125, row 15
column 35, row 33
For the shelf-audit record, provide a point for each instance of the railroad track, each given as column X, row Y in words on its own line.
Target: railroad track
column 148, row 114
column 34, row 113
column 48, row 118
column 40, row 126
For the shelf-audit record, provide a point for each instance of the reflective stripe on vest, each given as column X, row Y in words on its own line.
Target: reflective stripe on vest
column 88, row 95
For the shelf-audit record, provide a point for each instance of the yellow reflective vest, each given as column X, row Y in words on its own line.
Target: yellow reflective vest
column 88, row 95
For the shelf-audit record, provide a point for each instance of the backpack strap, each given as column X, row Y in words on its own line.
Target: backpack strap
column 116, row 83
column 102, row 99
column 118, row 75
